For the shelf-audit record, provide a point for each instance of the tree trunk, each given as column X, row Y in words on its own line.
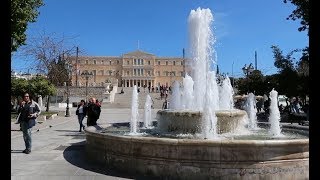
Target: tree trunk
column 48, row 103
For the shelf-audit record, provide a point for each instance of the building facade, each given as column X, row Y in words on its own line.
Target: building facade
column 133, row 68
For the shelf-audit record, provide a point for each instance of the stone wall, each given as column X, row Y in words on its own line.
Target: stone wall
column 78, row 93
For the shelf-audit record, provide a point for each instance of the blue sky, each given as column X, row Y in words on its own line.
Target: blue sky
column 114, row 27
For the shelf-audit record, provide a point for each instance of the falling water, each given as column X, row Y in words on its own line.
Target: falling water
column 134, row 111
column 147, row 112
column 200, row 90
column 209, row 127
column 201, row 41
column 187, row 93
column 175, row 101
column 250, row 107
column 226, row 95
column 201, row 52
column 274, row 117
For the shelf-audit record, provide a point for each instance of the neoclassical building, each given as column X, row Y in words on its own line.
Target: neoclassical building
column 133, row 68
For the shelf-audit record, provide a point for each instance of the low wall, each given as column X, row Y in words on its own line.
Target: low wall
column 199, row 159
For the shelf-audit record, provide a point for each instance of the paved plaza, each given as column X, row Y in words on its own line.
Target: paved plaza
column 58, row 149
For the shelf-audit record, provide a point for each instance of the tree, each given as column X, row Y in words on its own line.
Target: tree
column 18, row 87
column 50, row 53
column 41, row 86
column 301, row 12
column 290, row 81
column 36, row 86
column 22, row 13
column 254, row 82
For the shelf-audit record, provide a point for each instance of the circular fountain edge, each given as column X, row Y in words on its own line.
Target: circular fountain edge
column 187, row 158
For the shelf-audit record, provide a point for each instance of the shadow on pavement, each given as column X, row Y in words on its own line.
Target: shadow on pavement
column 75, row 154
column 67, row 130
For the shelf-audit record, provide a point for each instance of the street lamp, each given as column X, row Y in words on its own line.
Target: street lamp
column 247, row 70
column 87, row 75
column 69, row 70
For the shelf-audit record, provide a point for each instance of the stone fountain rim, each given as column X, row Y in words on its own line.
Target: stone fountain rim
column 93, row 131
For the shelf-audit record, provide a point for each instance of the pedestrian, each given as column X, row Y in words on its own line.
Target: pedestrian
column 29, row 111
column 93, row 112
column 165, row 104
column 80, row 112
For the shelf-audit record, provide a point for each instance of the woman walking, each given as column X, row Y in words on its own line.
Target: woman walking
column 80, row 112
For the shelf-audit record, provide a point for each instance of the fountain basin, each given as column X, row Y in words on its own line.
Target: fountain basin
column 189, row 121
column 199, row 158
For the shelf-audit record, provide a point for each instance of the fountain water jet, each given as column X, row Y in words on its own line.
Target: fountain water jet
column 147, row 112
column 250, row 107
column 134, row 111
column 274, row 117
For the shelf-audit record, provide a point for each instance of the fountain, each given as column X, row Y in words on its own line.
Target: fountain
column 147, row 122
column 201, row 136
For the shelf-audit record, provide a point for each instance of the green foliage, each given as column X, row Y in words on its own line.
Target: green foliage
column 254, row 82
column 36, row 86
column 22, row 13
column 19, row 86
column 292, row 79
column 301, row 12
column 41, row 86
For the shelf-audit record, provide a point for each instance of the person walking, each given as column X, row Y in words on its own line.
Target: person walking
column 80, row 112
column 165, row 104
column 93, row 112
column 29, row 111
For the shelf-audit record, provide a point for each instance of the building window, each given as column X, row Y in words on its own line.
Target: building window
column 87, row 62
column 181, row 73
column 167, row 63
column 102, row 62
column 110, row 62
column 149, row 62
column 158, row 62
column 128, row 73
column 181, row 63
column 128, row 62
column 174, row 63
column 141, row 61
column 135, row 61
column 117, row 61
column 110, row 72
column 134, row 72
column 158, row 73
column 94, row 62
column 149, row 73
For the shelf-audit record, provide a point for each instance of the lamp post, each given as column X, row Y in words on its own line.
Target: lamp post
column 86, row 75
column 69, row 69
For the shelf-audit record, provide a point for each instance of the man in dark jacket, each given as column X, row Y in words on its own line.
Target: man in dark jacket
column 29, row 111
column 93, row 112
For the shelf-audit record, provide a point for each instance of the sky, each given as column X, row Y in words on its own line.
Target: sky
column 160, row 27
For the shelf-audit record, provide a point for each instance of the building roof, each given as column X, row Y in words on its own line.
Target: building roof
column 138, row 53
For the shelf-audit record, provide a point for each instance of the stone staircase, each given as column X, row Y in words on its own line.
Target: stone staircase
column 125, row 100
